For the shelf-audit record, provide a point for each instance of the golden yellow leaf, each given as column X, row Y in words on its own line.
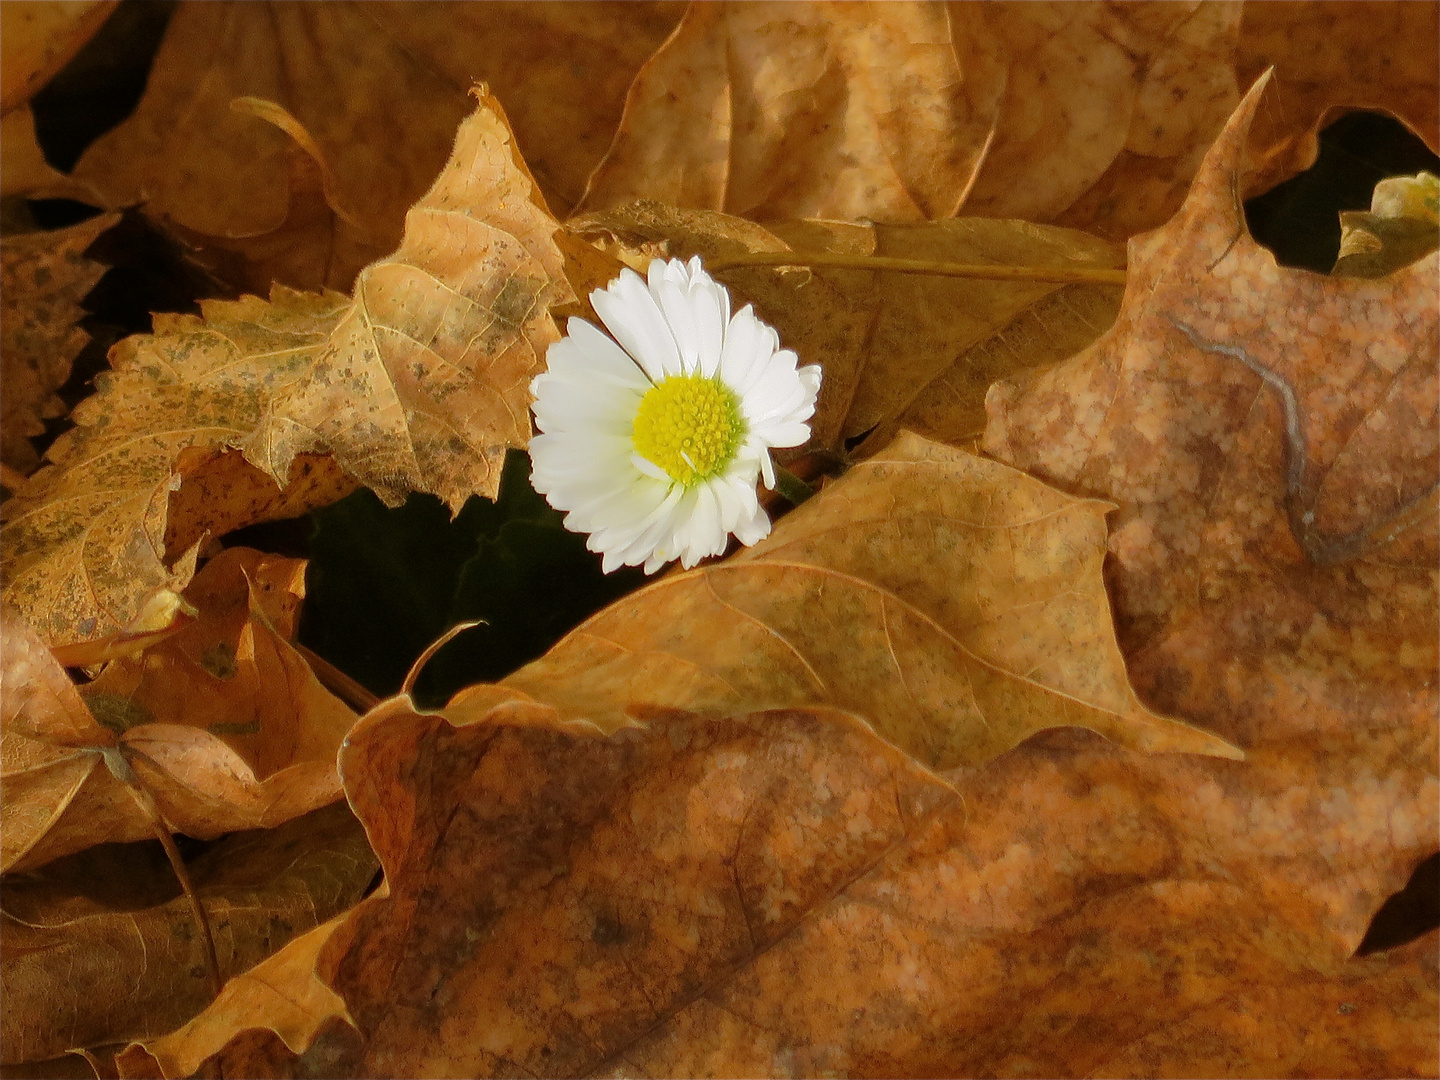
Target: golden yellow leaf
column 84, row 541
column 38, row 38
column 955, row 604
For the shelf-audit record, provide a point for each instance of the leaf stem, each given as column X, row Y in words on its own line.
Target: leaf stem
column 121, row 770
column 790, row 487
column 1063, row 275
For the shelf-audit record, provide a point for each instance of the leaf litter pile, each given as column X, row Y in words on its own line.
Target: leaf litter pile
column 1083, row 721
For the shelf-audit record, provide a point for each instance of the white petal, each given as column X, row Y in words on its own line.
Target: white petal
column 631, row 314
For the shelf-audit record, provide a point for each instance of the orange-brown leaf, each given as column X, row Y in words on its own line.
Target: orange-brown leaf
column 781, row 893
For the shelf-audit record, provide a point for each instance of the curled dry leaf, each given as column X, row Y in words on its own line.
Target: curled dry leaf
column 1402, row 225
column 954, row 603
column 223, row 722
column 908, row 350
column 426, row 378
column 84, row 541
column 43, row 278
column 23, row 168
column 1270, row 436
column 99, row 948
column 420, row 382
column 783, row 893
column 381, row 88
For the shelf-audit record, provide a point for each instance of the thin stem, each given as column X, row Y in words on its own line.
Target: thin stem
column 337, row 682
column 790, row 487
column 1062, row 275
column 121, row 770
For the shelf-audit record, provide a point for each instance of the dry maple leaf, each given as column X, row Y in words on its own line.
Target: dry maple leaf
column 426, row 379
column 1092, row 116
column 954, row 603
column 909, row 350
column 84, row 541
column 1271, row 438
column 223, row 722
column 43, row 278
column 97, row 949
column 381, row 87
column 782, row 893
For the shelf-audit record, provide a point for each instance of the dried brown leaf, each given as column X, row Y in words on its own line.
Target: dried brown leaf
column 426, row 378
column 781, row 893
column 954, row 603
column 282, row 994
column 223, row 722
column 898, row 350
column 99, row 948
column 43, row 278
column 381, row 87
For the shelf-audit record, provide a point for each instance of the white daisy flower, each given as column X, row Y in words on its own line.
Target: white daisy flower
column 653, row 445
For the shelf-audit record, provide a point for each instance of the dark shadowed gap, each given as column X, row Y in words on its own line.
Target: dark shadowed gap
column 104, row 82
column 1299, row 220
column 1411, row 912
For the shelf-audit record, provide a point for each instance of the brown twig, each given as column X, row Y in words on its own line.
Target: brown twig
column 337, row 682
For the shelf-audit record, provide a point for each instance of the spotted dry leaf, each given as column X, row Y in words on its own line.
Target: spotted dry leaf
column 425, row 381
column 782, row 893
column 84, row 542
column 954, row 603
column 43, row 278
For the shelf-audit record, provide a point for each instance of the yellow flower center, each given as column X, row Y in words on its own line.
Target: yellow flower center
column 690, row 426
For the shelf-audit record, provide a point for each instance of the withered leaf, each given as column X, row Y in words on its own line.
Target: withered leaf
column 898, row 350
column 223, row 722
column 43, row 278
column 84, row 541
column 426, row 378
column 954, row 603
column 381, row 87
column 782, row 893
column 1333, row 57
column 100, row 948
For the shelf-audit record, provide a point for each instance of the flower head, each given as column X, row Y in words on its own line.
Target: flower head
column 652, row 440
